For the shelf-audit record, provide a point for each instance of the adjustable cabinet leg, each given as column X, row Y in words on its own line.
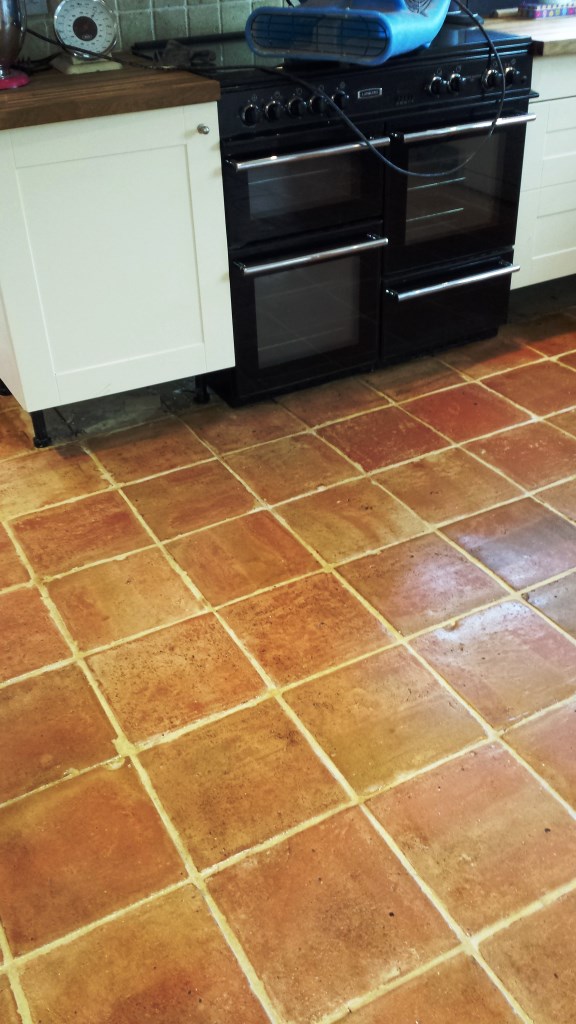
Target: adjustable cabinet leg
column 201, row 396
column 41, row 437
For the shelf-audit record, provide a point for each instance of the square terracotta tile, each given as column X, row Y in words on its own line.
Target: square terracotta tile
column 333, row 908
column 79, row 532
column 507, row 845
column 236, row 783
column 535, row 960
column 227, row 430
column 558, row 602
column 78, row 851
column 234, row 559
column 302, row 628
column 8, row 1011
column 561, row 498
column 551, row 334
column 420, row 582
column 165, row 960
column 148, row 449
column 30, row 638
column 44, row 477
column 493, row 355
column 112, row 600
column 382, row 438
column 541, row 388
column 282, row 469
column 465, row 412
column 51, row 725
column 569, row 360
column 413, row 378
column 12, row 569
column 188, row 499
column 383, row 717
column 174, row 676
column 447, row 485
column 457, row 990
column 548, row 744
column 533, row 454
column 565, row 421
column 523, row 542
column 16, row 432
column 505, row 661
column 332, row 401
column 350, row 519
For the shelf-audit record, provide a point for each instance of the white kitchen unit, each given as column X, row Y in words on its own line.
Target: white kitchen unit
column 546, row 234
column 113, row 264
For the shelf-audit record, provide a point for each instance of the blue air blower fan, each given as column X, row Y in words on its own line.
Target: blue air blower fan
column 365, row 32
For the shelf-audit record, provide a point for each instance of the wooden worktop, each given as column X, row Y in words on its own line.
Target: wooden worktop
column 550, row 36
column 51, row 96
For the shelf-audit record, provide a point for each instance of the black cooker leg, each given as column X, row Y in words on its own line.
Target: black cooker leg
column 201, row 395
column 41, row 437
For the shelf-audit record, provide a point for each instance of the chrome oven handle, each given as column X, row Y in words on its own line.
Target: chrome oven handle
column 309, row 154
column 251, row 269
column 459, row 129
column 457, row 282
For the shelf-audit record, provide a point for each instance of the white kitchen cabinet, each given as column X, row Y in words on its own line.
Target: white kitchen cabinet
column 546, row 233
column 113, row 264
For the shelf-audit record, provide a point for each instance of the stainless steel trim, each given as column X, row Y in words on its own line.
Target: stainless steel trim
column 459, row 129
column 457, row 282
column 251, row 269
column 309, row 154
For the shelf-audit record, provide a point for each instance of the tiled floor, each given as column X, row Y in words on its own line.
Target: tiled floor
column 288, row 699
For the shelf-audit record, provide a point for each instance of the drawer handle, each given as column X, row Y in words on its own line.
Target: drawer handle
column 457, row 282
column 309, row 154
column 251, row 269
column 460, row 129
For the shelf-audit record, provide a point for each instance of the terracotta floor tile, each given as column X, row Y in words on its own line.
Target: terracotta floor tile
column 548, row 744
column 493, row 355
column 382, row 438
column 420, row 582
column 457, row 991
column 51, row 725
column 188, row 499
column 383, row 717
column 561, row 498
column 414, row 378
column 238, row 782
column 533, row 454
column 541, row 388
column 16, row 432
column 465, row 412
column 566, row 421
column 12, row 570
column 551, row 334
column 71, row 535
column 333, row 908
column 282, row 469
column 305, row 627
column 505, row 661
column 174, row 676
column 45, row 477
column 535, row 960
column 332, row 401
column 523, row 542
column 30, row 638
column 8, row 1012
column 558, row 602
column 447, row 485
column 113, row 600
column 166, row 961
column 569, row 360
column 226, row 430
column 149, row 448
column 246, row 554
column 350, row 519
column 507, row 845
column 78, row 851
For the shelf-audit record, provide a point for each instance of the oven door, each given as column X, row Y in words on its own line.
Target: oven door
column 282, row 189
column 304, row 317
column 463, row 214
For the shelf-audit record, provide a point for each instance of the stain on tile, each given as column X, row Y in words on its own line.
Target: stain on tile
column 533, row 455
column 505, row 661
column 16, row 432
column 561, row 498
column 30, row 638
column 333, row 401
column 69, row 536
column 471, row 858
column 383, row 717
column 148, row 449
column 413, row 378
column 166, row 960
column 29, row 482
column 465, row 412
column 234, row 559
column 78, row 851
column 548, row 744
column 420, row 582
column 558, row 602
column 8, row 1011
column 174, row 676
column 283, row 469
column 226, row 430
column 481, row 358
column 541, row 388
column 382, row 438
column 304, row 627
column 112, row 600
column 12, row 570
column 333, row 908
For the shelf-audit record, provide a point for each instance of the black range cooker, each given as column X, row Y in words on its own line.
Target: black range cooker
column 346, row 255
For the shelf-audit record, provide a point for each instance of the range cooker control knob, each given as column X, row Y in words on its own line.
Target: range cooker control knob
column 340, row 98
column 511, row 75
column 274, row 110
column 456, row 82
column 250, row 114
column 436, row 85
column 318, row 104
column 297, row 107
column 491, row 78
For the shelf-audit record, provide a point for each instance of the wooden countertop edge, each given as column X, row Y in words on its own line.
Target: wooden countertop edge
column 51, row 96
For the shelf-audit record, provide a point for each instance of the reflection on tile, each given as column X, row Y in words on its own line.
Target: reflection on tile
column 382, row 438
column 45, row 477
column 148, row 448
column 548, row 744
column 558, row 601
column 226, row 430
column 465, row 412
column 416, row 377
column 334, row 908
column 333, row 401
column 541, row 388
column 282, row 469
column 30, row 638
column 496, row 354
column 12, row 570
column 533, row 454
column 471, row 858
column 549, row 335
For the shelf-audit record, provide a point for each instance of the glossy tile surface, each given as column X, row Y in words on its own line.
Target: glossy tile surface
column 382, row 438
column 532, row 455
column 558, row 602
column 541, row 388
column 548, row 744
column 465, row 412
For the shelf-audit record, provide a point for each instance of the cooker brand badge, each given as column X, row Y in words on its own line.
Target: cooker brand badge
column 369, row 94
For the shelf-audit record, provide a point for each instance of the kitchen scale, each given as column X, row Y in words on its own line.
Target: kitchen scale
column 86, row 30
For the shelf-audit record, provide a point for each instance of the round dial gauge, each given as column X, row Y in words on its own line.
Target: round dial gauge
column 86, row 28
